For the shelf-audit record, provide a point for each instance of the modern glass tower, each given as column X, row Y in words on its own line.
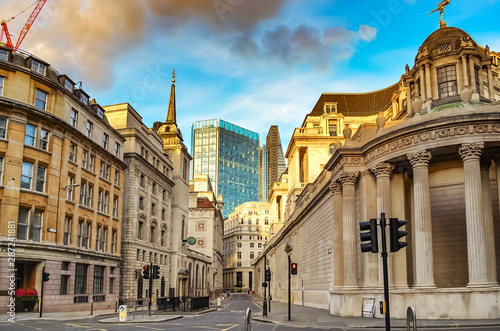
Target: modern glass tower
column 273, row 161
column 229, row 155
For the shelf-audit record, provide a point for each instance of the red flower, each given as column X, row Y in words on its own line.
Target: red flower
column 26, row 293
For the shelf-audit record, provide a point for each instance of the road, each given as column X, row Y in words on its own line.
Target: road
column 231, row 317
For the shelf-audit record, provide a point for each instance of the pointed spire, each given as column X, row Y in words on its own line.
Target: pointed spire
column 171, row 117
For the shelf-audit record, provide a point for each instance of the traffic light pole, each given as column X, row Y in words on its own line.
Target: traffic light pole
column 269, row 287
column 41, row 294
column 150, row 286
column 289, row 289
column 264, row 304
column 386, row 274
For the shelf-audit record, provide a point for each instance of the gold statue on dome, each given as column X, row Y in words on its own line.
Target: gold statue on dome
column 441, row 7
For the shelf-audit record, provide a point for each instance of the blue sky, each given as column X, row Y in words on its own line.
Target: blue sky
column 254, row 63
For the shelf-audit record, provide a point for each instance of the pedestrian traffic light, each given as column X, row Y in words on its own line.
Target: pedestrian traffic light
column 395, row 234
column 45, row 276
column 156, row 271
column 145, row 272
column 268, row 275
column 370, row 236
column 293, row 268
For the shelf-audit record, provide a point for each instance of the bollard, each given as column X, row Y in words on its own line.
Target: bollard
column 116, row 306
column 248, row 319
column 92, row 308
column 411, row 317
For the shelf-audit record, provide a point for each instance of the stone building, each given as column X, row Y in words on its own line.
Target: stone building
column 206, row 225
column 431, row 157
column 61, row 188
column 148, row 189
column 173, row 146
column 245, row 232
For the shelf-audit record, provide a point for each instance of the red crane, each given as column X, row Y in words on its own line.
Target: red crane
column 39, row 5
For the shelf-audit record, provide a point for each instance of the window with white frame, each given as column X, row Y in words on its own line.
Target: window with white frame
column 104, row 172
column 113, row 242
column 38, row 67
column 83, row 234
column 115, row 207
column 104, row 239
column 90, row 127
column 44, row 139
column 72, row 152
column 117, row 177
column 86, row 194
column 117, row 150
column 40, row 179
column 27, row 177
column 102, row 201
column 74, row 118
column 105, row 141
column 67, row 230
column 85, row 159
column 3, row 127
column 29, row 135
column 100, row 112
column 29, row 224
column 71, row 184
column 41, row 99
column 91, row 163
column 1, row 85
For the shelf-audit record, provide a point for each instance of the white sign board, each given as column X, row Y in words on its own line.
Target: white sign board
column 123, row 313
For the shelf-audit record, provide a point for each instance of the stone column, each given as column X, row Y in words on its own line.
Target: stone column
column 409, row 109
column 488, row 221
column 491, row 89
column 422, row 84
column 382, row 172
column 423, row 257
column 348, row 181
column 474, row 215
column 464, row 68
column 481, row 84
column 337, row 243
column 428, row 83
column 472, row 74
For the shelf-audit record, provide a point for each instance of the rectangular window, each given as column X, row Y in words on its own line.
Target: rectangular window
column 152, row 235
column 98, row 238
column 89, row 196
column 91, row 163
column 81, row 279
column 38, row 67
column 72, row 152
column 259, row 245
column 113, row 242
column 153, row 209
column 238, row 245
column 117, row 150
column 162, row 240
column 84, row 99
column 251, row 245
column 447, row 81
column 115, row 207
column 239, row 255
column 3, row 128
column 71, row 184
column 85, row 159
column 141, row 203
column 44, row 139
column 1, row 85
column 111, row 285
column 117, row 177
column 74, row 118
column 1, row 170
column 100, row 198
column 22, row 223
column 80, row 234
column 68, row 85
column 153, row 188
column 4, row 55
column 41, row 99
column 64, row 284
column 139, row 231
column 251, row 255
column 40, row 179
column 29, row 135
column 104, row 240
column 105, row 202
column 141, row 180
column 90, row 127
column 163, row 214
column 26, row 175
column 67, row 230
column 37, row 226
column 105, row 141
column 86, row 238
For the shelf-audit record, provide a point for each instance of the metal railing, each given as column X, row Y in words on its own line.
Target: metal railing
column 198, row 303
column 248, row 320
column 411, row 317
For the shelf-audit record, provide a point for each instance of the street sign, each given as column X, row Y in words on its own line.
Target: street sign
column 123, row 313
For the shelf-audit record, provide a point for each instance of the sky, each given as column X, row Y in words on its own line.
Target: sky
column 254, row 63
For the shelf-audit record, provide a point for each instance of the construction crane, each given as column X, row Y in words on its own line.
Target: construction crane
column 39, row 5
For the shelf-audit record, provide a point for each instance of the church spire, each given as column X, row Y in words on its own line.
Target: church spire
column 171, row 106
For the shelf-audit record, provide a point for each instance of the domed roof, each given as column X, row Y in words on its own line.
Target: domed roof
column 455, row 37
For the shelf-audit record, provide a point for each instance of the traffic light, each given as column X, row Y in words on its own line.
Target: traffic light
column 268, row 275
column 45, row 276
column 145, row 272
column 370, row 236
column 156, row 271
column 293, row 268
column 395, row 234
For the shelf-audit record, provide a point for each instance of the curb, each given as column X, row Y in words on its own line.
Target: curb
column 159, row 319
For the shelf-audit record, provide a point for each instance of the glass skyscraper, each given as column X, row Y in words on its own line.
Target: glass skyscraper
column 229, row 155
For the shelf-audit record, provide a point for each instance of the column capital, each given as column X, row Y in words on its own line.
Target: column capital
column 470, row 151
column 420, row 158
column 382, row 169
column 349, row 178
column 335, row 188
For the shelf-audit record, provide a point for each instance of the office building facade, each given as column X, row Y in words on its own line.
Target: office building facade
column 273, row 161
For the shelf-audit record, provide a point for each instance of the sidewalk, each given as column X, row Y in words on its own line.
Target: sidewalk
column 307, row 316
column 74, row 315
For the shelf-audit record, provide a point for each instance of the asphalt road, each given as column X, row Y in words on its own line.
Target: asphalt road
column 231, row 317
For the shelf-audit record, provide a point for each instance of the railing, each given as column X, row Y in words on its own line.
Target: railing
column 168, row 303
column 198, row 303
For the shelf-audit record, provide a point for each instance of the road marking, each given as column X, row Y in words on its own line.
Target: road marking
column 454, row 325
column 147, row 327
column 234, row 325
column 80, row 326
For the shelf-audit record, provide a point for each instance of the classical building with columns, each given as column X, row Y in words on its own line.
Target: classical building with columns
column 431, row 156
